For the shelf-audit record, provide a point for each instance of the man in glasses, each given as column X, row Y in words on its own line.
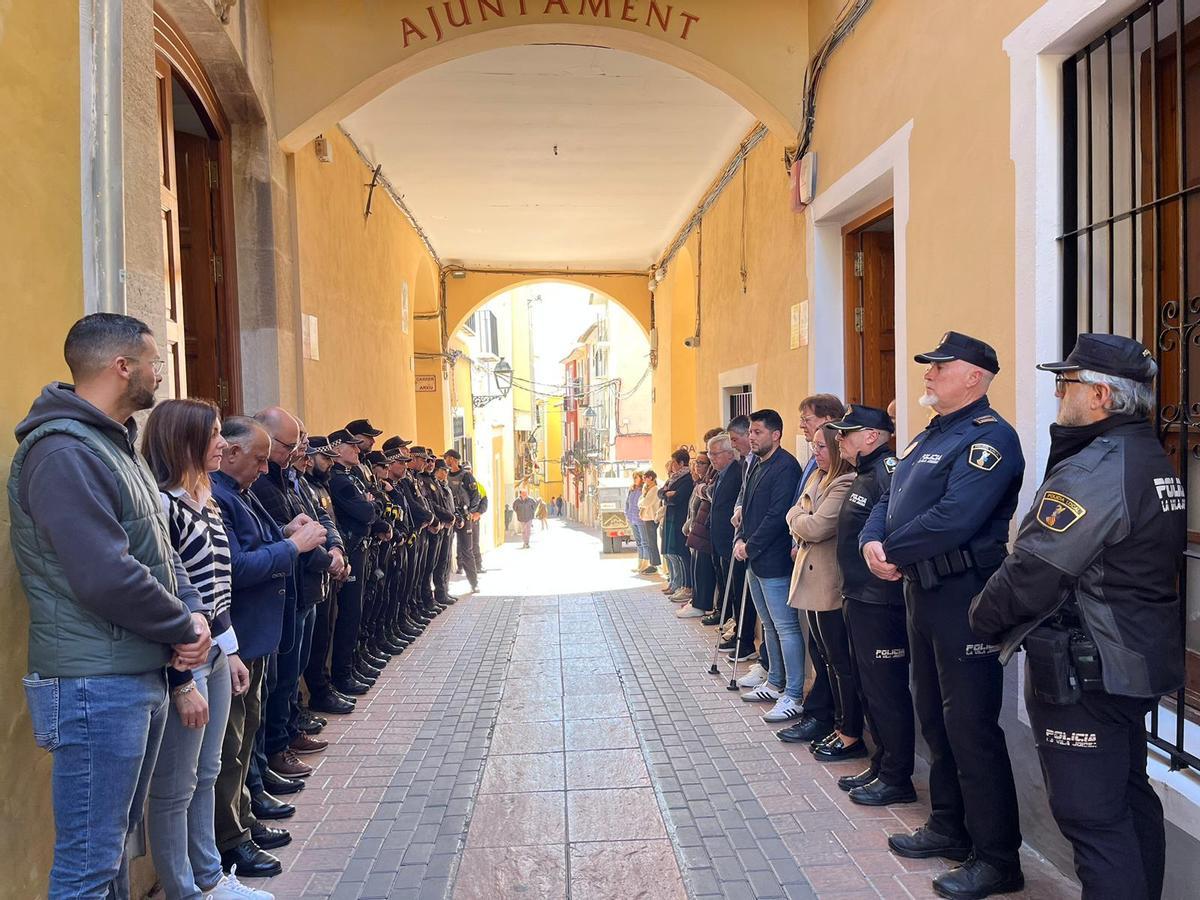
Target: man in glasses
column 1090, row 591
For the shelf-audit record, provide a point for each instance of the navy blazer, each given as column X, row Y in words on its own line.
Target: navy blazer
column 263, row 564
column 725, row 493
column 768, row 495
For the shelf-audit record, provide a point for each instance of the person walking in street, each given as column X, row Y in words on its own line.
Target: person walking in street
column 110, row 604
column 524, row 509
column 1096, row 608
column 543, row 514
column 942, row 527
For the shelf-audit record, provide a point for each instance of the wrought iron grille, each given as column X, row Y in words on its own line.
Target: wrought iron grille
column 741, row 401
column 1131, row 242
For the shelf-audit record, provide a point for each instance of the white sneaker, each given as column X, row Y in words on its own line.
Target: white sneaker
column 785, row 708
column 229, row 888
column 752, row 679
column 764, row 693
column 690, row 612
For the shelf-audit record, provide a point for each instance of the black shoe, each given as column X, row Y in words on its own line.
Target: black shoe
column 251, row 861
column 391, row 648
column 727, row 645
column 348, row 698
column 975, row 879
column 810, row 729
column 713, row 619
column 367, row 670
column 879, row 794
column 351, row 686
column 850, row 782
column 309, row 725
column 925, row 843
column 268, row 838
column 837, row 749
column 320, row 720
column 363, row 678
column 264, row 806
column 280, row 785
column 374, row 661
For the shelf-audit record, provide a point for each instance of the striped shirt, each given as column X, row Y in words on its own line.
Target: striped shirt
column 198, row 535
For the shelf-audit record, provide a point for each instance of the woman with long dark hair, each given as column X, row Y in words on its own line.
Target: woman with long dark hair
column 182, row 443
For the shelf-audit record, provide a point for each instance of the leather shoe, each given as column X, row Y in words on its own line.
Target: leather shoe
column 287, row 763
column 349, row 698
column 713, row 619
column 806, row 730
column 279, row 785
column 308, row 724
column 268, row 838
column 879, row 794
column 264, row 806
column 925, row 843
column 303, row 744
column 837, row 749
column 251, row 861
column 850, row 782
column 975, row 879
column 351, row 686
column 332, row 704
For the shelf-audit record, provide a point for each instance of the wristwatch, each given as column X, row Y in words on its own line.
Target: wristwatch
column 185, row 688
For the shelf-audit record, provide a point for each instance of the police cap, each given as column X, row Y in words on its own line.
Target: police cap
column 440, row 464
column 961, row 346
column 319, row 443
column 375, row 458
column 362, row 428
column 394, row 444
column 339, row 437
column 421, row 453
column 859, row 417
column 1109, row 354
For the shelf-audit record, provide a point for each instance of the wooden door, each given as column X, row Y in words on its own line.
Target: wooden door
column 870, row 313
column 173, row 351
column 202, row 265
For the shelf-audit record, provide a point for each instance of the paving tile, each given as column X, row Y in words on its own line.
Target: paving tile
column 527, row 737
column 609, row 815
column 600, row 734
column 643, row 869
column 515, row 820
column 606, row 769
column 602, row 706
column 534, row 873
column 539, row 710
column 523, row 772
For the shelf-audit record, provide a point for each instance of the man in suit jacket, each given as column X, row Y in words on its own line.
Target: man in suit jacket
column 726, row 487
column 763, row 540
column 263, row 560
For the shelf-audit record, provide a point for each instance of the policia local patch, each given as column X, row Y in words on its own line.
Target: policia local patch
column 984, row 456
column 1058, row 512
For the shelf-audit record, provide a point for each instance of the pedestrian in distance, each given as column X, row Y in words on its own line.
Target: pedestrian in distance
column 524, row 509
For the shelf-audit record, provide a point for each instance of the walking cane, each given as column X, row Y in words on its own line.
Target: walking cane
column 713, row 670
column 737, row 646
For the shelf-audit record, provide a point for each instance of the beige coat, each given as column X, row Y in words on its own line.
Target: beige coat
column 816, row 578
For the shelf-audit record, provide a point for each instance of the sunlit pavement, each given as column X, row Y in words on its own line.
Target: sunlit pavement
column 558, row 735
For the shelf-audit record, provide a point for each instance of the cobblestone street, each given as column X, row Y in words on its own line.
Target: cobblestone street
column 558, row 736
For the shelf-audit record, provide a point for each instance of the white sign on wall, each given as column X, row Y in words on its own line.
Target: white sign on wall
column 799, row 325
column 404, row 306
column 312, row 349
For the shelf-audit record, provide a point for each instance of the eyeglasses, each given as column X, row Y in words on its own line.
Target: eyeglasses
column 1061, row 380
column 158, row 365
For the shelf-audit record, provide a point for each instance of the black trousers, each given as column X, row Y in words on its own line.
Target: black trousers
column 704, row 580
column 746, row 610
column 475, row 548
column 425, row 578
column 1093, row 756
column 818, row 702
column 828, row 628
column 959, row 691
column 316, row 673
column 465, row 549
column 349, row 614
column 441, row 569
column 879, row 647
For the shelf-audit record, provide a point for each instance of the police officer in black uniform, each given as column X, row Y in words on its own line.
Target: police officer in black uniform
column 466, row 504
column 443, row 520
column 377, row 638
column 400, row 627
column 441, row 571
column 413, row 620
column 943, row 527
column 875, row 618
column 1090, row 590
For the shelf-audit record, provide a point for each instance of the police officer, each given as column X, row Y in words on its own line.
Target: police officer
column 376, row 636
column 466, row 507
column 443, row 519
column 401, row 628
column 413, row 620
column 943, row 526
column 875, row 620
column 441, row 572
column 1091, row 592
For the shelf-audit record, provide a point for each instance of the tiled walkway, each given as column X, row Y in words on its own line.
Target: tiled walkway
column 559, row 736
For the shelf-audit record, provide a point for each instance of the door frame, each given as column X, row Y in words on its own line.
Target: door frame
column 171, row 46
column 851, row 286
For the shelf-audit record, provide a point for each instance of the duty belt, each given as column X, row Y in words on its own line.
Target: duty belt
column 928, row 573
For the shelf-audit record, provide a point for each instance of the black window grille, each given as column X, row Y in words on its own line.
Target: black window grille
column 741, row 401
column 1131, row 244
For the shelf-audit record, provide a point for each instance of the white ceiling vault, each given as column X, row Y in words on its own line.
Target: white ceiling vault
column 551, row 156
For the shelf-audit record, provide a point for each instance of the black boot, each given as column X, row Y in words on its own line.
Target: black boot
column 975, row 879
column 925, row 843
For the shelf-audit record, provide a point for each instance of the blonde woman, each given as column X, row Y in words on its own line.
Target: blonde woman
column 817, row 589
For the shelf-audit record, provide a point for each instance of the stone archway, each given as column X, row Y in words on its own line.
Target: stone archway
column 331, row 59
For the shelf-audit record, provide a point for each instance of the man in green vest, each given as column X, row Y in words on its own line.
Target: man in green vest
column 104, row 588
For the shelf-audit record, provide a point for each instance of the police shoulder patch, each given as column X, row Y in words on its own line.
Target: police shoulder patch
column 984, row 456
column 909, row 449
column 986, row 420
column 1058, row 512
column 890, row 464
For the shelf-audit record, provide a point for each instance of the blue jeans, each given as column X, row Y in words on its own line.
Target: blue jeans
column 635, row 528
column 650, row 536
column 180, row 814
column 104, row 732
column 781, row 633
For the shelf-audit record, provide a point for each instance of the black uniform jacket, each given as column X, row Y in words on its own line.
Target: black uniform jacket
column 1105, row 535
column 874, row 477
column 352, row 503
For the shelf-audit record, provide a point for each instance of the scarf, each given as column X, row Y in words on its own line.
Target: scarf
column 1068, row 440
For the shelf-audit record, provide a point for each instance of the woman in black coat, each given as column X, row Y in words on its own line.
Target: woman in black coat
column 676, row 495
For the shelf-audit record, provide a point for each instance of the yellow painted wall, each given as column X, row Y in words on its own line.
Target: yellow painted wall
column 461, row 395
column 550, row 447
column 351, row 272
column 521, row 357
column 42, row 289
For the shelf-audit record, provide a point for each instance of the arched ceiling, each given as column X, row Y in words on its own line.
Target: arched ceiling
column 551, row 156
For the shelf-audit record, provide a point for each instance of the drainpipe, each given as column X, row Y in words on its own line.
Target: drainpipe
column 101, row 65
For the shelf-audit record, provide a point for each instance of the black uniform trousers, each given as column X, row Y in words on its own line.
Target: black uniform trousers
column 441, row 569
column 704, row 580
column 316, row 673
column 432, row 551
column 959, row 691
column 1093, row 756
column 828, row 630
column 818, row 701
column 879, row 645
column 349, row 613
column 475, row 547
column 465, row 550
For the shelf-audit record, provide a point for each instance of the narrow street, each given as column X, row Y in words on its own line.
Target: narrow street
column 558, row 736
